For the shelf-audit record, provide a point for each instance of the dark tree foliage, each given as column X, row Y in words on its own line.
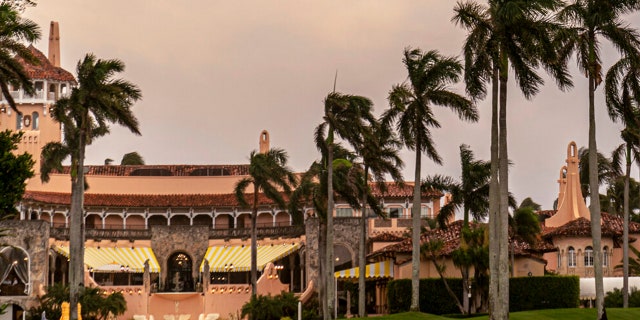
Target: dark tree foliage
column 14, row 171
column 95, row 306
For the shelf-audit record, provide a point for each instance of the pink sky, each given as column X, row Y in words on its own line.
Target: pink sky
column 214, row 74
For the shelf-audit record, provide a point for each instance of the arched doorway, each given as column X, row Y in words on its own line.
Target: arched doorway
column 179, row 275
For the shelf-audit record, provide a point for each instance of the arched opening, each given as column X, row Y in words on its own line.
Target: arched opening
column 45, row 217
column 93, row 221
column 203, row 220
column 588, row 257
column 282, row 219
column 59, row 220
column 264, row 220
column 61, row 266
column 180, row 220
column 135, row 222
column 179, row 273
column 114, row 221
column 157, row 220
column 243, row 221
column 571, row 257
column 224, row 221
column 35, row 121
column 14, row 272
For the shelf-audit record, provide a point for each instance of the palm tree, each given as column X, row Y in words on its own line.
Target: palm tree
column 312, row 192
column 506, row 34
column 430, row 75
column 13, row 30
column 345, row 116
column 471, row 195
column 131, row 159
column 268, row 173
column 606, row 172
column 379, row 154
column 588, row 21
column 85, row 115
column 622, row 91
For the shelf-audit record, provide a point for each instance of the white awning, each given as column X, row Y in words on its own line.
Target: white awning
column 588, row 286
column 382, row 269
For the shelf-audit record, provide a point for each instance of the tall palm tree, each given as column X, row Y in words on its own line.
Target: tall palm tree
column 269, row 174
column 504, row 35
column 430, row 77
column 312, row 192
column 622, row 91
column 345, row 116
column 471, row 194
column 379, row 154
column 13, row 30
column 99, row 99
column 588, row 21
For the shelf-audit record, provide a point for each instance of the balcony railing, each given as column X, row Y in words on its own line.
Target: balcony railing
column 62, row 233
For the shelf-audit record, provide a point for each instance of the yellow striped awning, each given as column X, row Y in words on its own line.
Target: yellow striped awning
column 222, row 257
column 382, row 269
column 104, row 259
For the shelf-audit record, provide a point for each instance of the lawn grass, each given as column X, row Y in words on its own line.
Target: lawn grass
column 549, row 314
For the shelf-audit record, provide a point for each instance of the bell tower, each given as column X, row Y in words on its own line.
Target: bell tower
column 54, row 44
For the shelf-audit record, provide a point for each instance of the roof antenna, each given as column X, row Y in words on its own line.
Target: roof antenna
column 335, row 80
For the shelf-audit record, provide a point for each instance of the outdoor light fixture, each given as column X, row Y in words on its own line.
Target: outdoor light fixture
column 3, row 109
column 139, row 291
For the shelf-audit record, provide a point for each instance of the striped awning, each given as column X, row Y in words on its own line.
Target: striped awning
column 109, row 259
column 221, row 258
column 382, row 269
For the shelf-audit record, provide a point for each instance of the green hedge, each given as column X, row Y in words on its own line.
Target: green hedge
column 534, row 293
column 433, row 298
column 527, row 293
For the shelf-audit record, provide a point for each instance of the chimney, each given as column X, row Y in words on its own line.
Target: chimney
column 54, row 44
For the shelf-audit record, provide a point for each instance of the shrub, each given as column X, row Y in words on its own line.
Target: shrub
column 271, row 308
column 527, row 293
column 94, row 305
column 613, row 299
column 534, row 293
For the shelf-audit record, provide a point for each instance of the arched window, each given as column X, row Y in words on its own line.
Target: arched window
column 18, row 121
column 605, row 257
column 571, row 257
column 35, row 120
column 588, row 257
column 14, row 274
column 559, row 259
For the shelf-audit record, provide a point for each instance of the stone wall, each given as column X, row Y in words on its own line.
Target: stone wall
column 167, row 240
column 346, row 233
column 33, row 237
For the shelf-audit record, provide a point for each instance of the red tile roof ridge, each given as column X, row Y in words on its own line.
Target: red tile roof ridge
column 45, row 70
column 144, row 200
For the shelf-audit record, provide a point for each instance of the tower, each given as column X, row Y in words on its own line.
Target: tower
column 51, row 83
column 571, row 203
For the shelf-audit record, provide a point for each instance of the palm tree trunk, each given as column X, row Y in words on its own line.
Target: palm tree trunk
column 502, row 311
column 329, row 277
column 625, row 232
column 464, row 271
column 322, row 252
column 254, row 245
column 361, row 254
column 415, row 239
column 76, row 229
column 494, row 202
column 594, row 199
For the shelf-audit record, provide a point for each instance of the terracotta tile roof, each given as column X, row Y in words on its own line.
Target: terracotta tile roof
column 403, row 191
column 581, row 227
column 451, row 241
column 45, row 70
column 147, row 200
column 166, row 170
column 386, row 237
